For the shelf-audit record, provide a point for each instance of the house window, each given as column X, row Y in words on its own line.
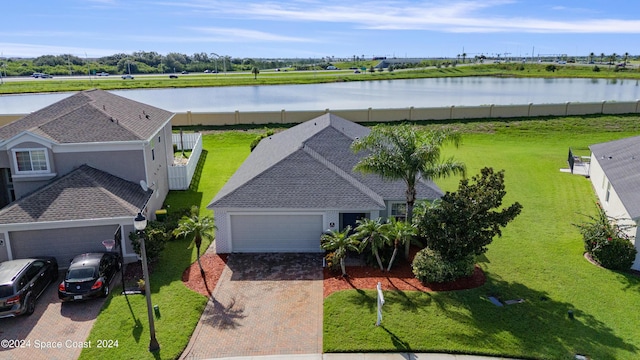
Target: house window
column 31, row 161
column 399, row 211
column 606, row 198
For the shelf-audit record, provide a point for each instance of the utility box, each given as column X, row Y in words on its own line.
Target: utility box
column 161, row 215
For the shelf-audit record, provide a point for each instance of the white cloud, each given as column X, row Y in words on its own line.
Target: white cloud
column 236, row 34
column 456, row 16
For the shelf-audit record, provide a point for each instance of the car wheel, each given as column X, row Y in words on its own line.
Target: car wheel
column 31, row 304
column 105, row 290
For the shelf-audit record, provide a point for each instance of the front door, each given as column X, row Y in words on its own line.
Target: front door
column 349, row 219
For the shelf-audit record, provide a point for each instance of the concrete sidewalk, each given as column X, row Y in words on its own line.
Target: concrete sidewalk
column 366, row 356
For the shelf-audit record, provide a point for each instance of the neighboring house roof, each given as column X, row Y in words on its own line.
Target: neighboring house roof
column 620, row 161
column 84, row 193
column 311, row 166
column 91, row 116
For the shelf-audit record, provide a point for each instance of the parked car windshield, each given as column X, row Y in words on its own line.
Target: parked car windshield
column 81, row 274
column 6, row 290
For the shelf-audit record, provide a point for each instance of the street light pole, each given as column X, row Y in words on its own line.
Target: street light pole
column 140, row 223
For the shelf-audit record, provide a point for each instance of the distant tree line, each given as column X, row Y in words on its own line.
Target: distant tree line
column 143, row 62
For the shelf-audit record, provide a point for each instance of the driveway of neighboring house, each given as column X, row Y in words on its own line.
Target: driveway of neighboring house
column 264, row 304
column 53, row 332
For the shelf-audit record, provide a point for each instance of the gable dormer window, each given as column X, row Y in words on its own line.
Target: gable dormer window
column 31, row 161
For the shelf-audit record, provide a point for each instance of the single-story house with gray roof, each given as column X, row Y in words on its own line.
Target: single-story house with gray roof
column 615, row 175
column 70, row 174
column 300, row 182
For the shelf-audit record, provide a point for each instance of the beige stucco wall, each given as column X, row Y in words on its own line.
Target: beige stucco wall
column 410, row 113
column 400, row 114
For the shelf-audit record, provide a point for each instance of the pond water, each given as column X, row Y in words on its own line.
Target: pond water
column 435, row 92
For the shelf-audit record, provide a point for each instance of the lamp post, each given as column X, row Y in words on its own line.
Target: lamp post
column 140, row 223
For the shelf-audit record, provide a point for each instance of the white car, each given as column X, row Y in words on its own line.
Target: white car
column 127, row 76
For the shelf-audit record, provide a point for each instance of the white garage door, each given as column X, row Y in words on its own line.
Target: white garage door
column 276, row 233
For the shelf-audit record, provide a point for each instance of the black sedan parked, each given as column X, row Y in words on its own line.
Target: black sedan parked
column 89, row 276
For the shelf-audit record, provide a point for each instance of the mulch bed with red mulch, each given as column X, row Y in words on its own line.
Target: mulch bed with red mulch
column 359, row 277
column 399, row 278
column 213, row 265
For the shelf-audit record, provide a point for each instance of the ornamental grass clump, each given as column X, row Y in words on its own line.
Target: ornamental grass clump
column 607, row 242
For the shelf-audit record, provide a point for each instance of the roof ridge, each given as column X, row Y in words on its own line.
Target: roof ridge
column 343, row 174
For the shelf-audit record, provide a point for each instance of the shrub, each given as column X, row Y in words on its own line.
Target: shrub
column 596, row 69
column 256, row 141
column 333, row 264
column 430, row 267
column 606, row 241
column 615, row 253
column 155, row 239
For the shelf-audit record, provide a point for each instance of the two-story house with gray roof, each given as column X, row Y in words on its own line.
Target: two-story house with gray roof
column 615, row 175
column 300, row 182
column 70, row 174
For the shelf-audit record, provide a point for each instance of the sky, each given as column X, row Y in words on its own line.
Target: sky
column 314, row 29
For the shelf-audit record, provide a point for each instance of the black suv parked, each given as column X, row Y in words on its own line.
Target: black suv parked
column 22, row 282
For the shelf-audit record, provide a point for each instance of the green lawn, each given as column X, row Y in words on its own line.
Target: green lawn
column 539, row 258
column 124, row 318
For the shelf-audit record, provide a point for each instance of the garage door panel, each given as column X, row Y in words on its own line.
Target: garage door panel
column 64, row 244
column 276, row 233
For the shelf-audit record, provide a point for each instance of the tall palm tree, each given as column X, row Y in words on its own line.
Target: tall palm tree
column 196, row 228
column 601, row 57
column 591, row 55
column 373, row 233
column 339, row 242
column 401, row 153
column 626, row 56
column 464, row 56
column 400, row 232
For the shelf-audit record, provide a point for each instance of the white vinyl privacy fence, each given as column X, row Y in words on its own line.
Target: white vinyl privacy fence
column 181, row 174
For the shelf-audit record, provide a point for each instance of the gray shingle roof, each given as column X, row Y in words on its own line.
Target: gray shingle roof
column 91, row 116
column 311, row 166
column 620, row 161
column 84, row 193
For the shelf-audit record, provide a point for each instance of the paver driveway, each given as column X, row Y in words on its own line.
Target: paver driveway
column 264, row 304
column 53, row 331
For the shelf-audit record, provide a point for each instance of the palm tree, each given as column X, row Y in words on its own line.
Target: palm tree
column 339, row 242
column 464, row 56
column 400, row 232
column 601, row 57
column 255, row 71
column 402, row 153
column 626, row 56
column 591, row 55
column 373, row 233
column 196, row 228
